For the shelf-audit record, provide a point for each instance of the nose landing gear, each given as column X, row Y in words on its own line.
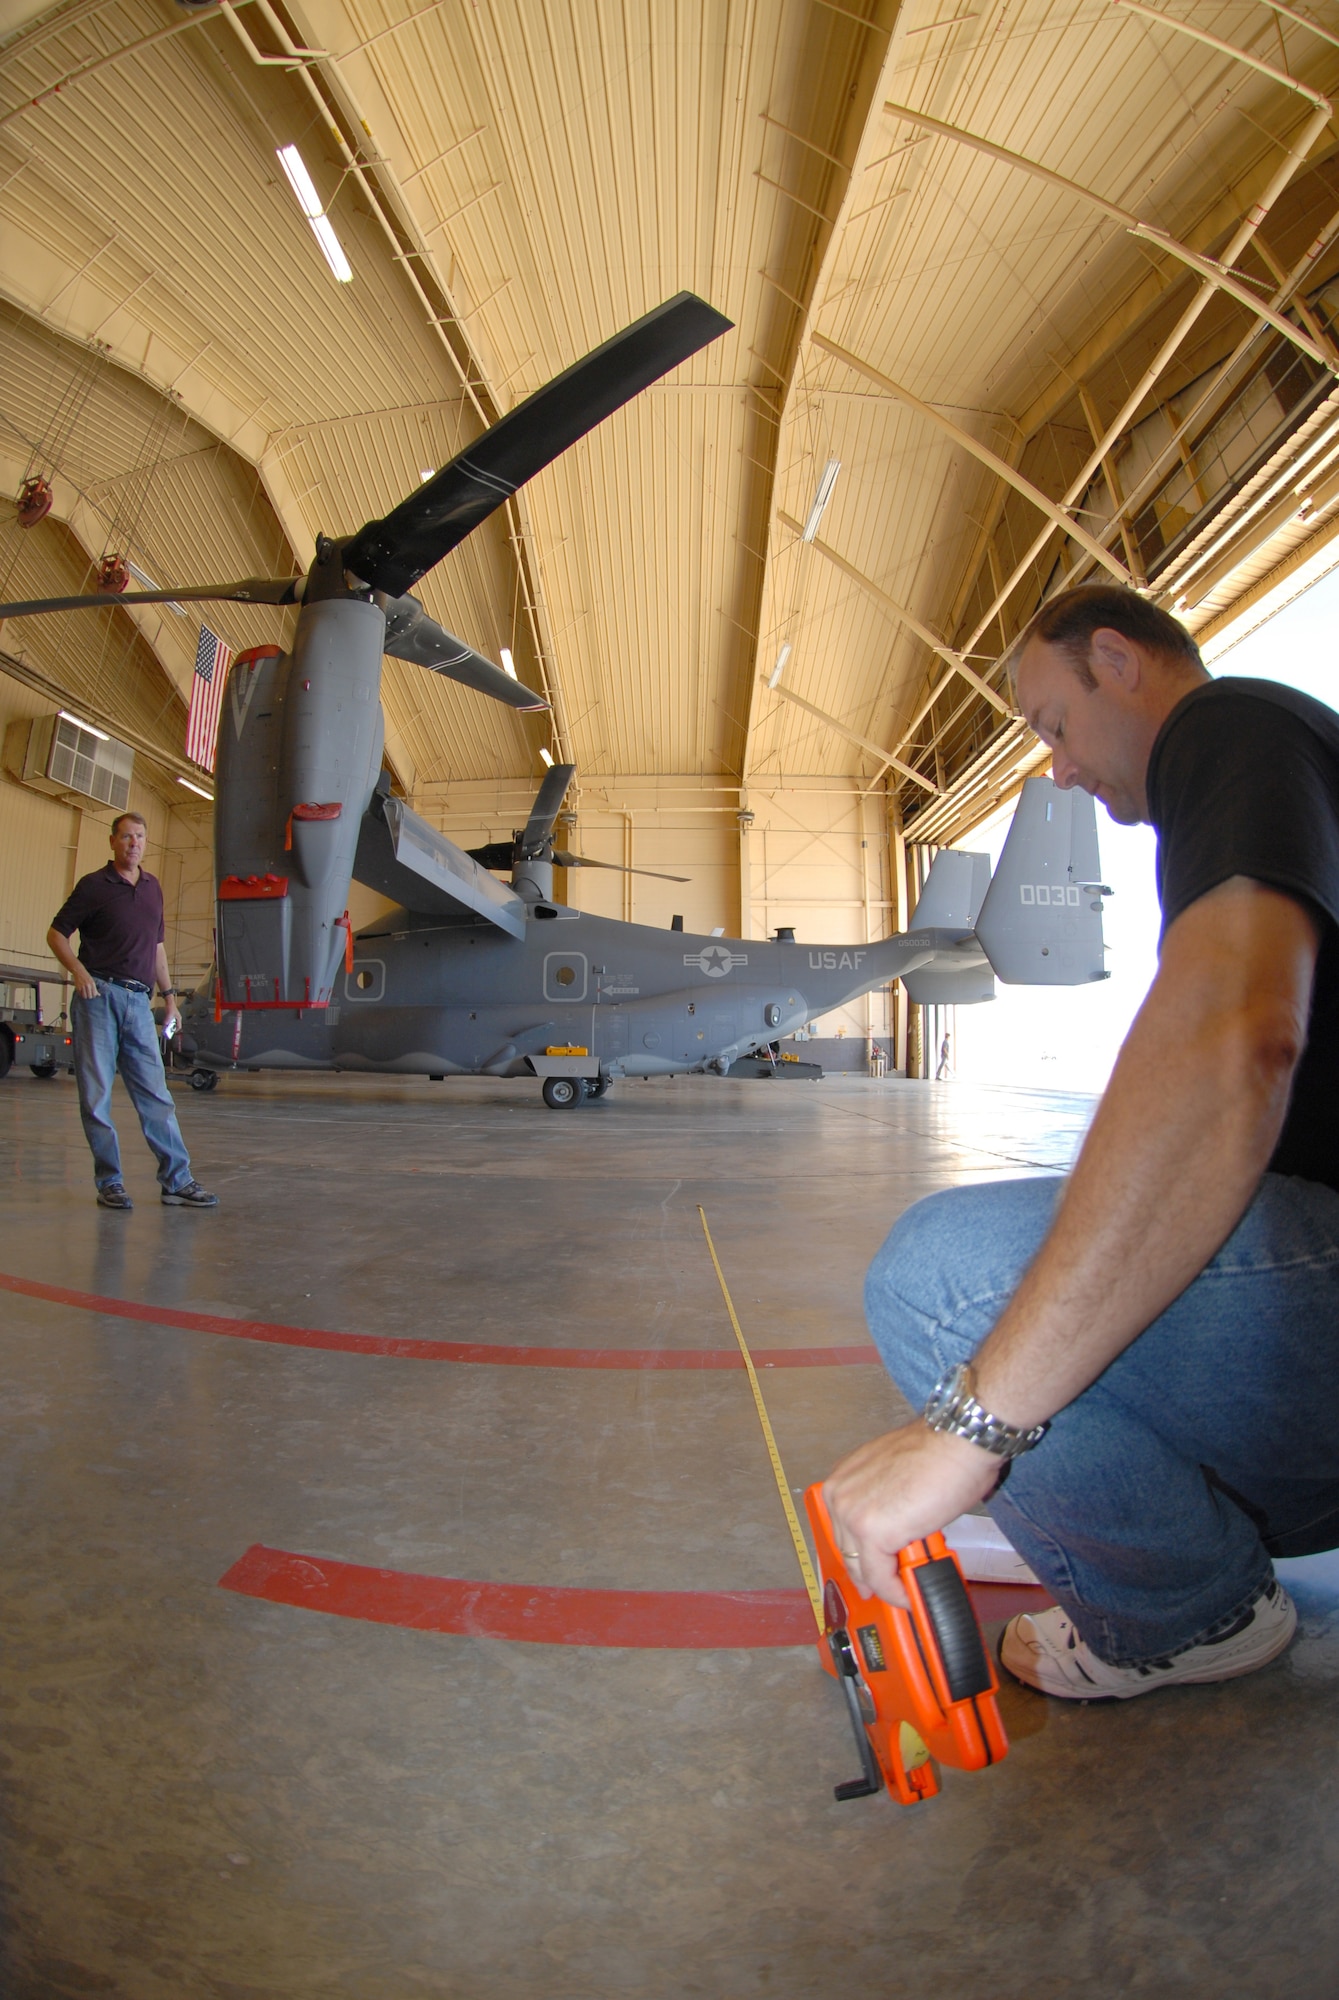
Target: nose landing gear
column 564, row 1093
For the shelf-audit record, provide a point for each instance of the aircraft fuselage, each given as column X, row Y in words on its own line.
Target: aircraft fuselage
column 434, row 997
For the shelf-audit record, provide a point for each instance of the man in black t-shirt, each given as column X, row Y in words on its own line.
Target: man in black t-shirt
column 1150, row 1347
column 118, row 913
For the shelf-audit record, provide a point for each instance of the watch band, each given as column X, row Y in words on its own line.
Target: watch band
column 952, row 1407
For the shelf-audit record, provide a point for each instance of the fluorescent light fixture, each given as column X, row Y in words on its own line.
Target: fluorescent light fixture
column 146, row 582
column 821, row 498
column 508, row 664
column 293, row 164
column 333, row 249
column 425, row 473
column 79, row 723
column 780, row 666
column 291, row 160
column 199, row 790
column 547, row 758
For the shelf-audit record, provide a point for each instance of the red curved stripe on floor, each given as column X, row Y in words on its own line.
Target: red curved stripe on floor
column 549, row 1616
column 488, row 1353
column 539, row 1613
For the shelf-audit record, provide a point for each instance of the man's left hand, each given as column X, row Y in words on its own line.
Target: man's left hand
column 897, row 1489
column 171, row 1018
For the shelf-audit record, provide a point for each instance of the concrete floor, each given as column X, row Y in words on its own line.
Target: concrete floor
column 206, row 1794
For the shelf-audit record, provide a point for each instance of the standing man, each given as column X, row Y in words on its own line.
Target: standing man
column 1149, row 1350
column 118, row 913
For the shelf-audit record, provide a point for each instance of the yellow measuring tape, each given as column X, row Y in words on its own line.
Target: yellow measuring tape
column 778, row 1470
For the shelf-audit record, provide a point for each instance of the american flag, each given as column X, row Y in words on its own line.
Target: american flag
column 212, row 661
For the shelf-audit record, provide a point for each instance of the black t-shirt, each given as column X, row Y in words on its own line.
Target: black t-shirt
column 1244, row 780
column 120, row 923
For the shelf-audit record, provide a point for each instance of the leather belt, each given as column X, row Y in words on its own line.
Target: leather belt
column 130, row 985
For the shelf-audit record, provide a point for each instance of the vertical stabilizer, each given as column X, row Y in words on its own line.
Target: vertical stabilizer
column 954, row 892
column 1041, row 921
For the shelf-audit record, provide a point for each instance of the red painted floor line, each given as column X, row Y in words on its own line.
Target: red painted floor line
column 488, row 1353
column 545, row 1615
column 536, row 1612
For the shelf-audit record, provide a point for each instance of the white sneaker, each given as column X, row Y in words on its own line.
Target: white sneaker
column 1043, row 1649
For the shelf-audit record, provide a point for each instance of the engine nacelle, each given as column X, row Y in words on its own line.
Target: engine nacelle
column 300, row 741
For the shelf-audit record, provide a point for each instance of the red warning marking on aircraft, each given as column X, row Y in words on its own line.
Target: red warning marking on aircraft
column 543, row 1614
column 493, row 1354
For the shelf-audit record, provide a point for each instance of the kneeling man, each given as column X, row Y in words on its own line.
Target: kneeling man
column 1137, row 1368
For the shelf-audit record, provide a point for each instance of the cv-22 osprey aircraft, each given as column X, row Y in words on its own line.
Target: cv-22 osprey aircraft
column 470, row 976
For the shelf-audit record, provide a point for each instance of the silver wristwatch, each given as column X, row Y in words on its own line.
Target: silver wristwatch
column 953, row 1408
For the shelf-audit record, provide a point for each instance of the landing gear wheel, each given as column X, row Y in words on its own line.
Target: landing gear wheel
column 562, row 1092
column 43, row 1070
column 6, row 1052
column 598, row 1086
column 204, row 1079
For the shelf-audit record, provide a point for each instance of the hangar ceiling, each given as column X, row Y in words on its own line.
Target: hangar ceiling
column 1051, row 280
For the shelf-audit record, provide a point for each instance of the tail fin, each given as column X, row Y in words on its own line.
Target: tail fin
column 954, row 891
column 1041, row 921
column 953, row 894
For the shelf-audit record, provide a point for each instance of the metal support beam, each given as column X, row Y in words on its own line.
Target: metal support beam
column 1295, row 155
column 987, row 457
column 1229, row 49
column 1206, row 267
column 903, row 616
column 1303, row 22
column 886, row 757
column 872, row 83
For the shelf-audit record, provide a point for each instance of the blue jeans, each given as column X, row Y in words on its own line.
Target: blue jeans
column 116, row 1032
column 1153, row 1505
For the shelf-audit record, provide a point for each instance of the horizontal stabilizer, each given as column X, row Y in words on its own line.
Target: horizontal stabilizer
column 944, row 984
column 954, row 891
column 1041, row 922
column 402, row 857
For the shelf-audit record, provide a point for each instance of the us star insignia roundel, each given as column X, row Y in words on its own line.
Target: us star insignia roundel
column 715, row 960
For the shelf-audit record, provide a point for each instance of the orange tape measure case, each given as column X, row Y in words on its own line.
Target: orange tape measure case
column 918, row 1684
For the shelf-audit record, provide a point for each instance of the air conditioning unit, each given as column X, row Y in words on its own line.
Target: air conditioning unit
column 62, row 757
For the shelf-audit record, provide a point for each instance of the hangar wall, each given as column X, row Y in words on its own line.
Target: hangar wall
column 46, row 843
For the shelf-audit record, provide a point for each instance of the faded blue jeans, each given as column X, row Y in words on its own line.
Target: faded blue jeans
column 116, row 1032
column 1153, row 1505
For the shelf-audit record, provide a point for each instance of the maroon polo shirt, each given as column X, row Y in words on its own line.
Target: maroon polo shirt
column 120, row 923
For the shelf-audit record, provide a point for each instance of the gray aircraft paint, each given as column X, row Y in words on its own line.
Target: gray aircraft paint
column 312, row 723
column 447, row 990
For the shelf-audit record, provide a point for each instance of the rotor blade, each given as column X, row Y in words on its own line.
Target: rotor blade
column 496, row 854
column 545, row 809
column 584, row 861
column 251, row 590
column 392, row 553
column 412, row 635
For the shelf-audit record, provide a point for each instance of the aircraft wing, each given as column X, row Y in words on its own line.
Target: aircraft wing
column 402, row 857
